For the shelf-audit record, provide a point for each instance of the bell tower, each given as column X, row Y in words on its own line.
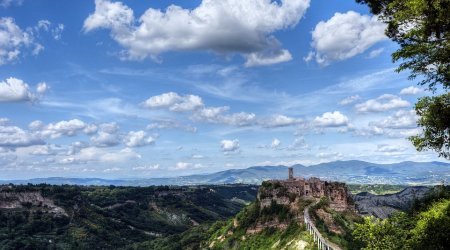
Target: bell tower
column 291, row 173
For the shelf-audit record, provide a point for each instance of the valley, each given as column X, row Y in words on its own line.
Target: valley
column 238, row 216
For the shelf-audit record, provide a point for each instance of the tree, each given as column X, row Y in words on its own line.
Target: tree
column 422, row 29
column 434, row 113
column 432, row 229
column 378, row 234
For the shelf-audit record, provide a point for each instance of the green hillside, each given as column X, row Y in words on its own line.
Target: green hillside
column 425, row 226
column 74, row 217
column 273, row 227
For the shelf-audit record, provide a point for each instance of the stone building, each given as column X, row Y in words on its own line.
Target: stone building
column 287, row 191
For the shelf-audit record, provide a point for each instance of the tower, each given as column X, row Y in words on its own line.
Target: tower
column 291, row 173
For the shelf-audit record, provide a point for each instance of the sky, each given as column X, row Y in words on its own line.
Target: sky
column 139, row 89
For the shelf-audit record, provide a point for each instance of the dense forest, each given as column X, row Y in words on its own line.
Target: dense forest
column 76, row 217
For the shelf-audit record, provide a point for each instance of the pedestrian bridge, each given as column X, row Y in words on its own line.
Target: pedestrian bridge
column 322, row 243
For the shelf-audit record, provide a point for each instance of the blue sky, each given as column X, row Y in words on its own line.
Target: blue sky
column 164, row 88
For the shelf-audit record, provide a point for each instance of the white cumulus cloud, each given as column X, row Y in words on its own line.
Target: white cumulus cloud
column 107, row 135
column 14, row 90
column 382, row 103
column 411, row 90
column 402, row 119
column 230, row 145
column 343, row 36
column 12, row 137
column 174, row 102
column 350, row 100
column 331, row 119
column 280, row 121
column 227, row 26
column 58, row 129
column 138, row 139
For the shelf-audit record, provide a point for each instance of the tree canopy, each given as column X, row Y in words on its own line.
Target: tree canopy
column 434, row 113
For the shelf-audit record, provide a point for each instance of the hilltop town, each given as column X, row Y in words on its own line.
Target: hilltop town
column 286, row 191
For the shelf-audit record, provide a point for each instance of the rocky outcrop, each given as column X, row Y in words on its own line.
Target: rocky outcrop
column 18, row 200
column 383, row 206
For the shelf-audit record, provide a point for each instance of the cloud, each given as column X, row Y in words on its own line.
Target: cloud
column 15, row 90
column 174, row 102
column 228, row 26
column 261, row 59
column 15, row 42
column 411, row 91
column 387, row 148
column 186, row 165
column 13, row 137
column 57, row 31
column 375, row 53
column 298, row 143
column 7, row 3
column 147, row 167
column 107, row 136
column 4, row 121
column 75, row 147
column 196, row 156
column 350, row 100
column 58, row 129
column 109, row 170
column 41, row 88
column 219, row 115
column 402, row 119
column 280, row 121
column 382, row 103
column 400, row 124
column 169, row 124
column 138, row 139
column 275, row 143
column 229, row 146
column 331, row 119
column 94, row 154
column 343, row 36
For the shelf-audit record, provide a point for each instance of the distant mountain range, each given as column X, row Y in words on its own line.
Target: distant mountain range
column 357, row 172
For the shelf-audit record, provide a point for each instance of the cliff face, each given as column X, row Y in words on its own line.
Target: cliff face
column 18, row 200
column 383, row 206
column 287, row 191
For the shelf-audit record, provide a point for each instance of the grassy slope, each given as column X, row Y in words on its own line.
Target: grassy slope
column 232, row 234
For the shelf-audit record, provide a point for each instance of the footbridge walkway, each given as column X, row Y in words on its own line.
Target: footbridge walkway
column 322, row 243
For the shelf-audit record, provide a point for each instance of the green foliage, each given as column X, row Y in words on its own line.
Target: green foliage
column 426, row 226
column 249, row 215
column 432, row 230
column 434, row 113
column 119, row 217
column 378, row 234
column 275, row 210
column 269, row 238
